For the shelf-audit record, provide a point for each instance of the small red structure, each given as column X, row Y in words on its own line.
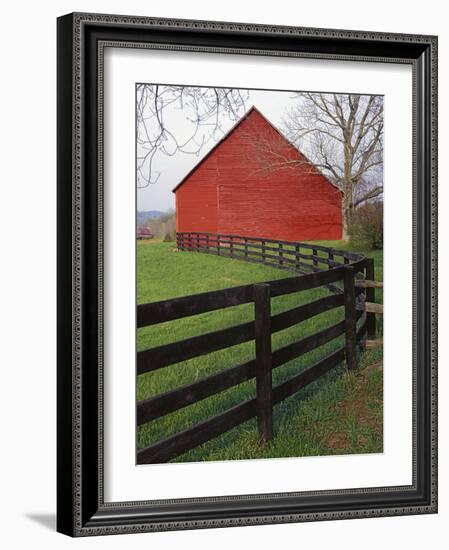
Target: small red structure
column 143, row 233
column 254, row 182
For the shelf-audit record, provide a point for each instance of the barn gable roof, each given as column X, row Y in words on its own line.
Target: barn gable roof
column 231, row 131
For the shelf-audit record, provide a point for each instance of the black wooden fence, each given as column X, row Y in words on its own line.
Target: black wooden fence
column 294, row 256
column 290, row 255
column 258, row 330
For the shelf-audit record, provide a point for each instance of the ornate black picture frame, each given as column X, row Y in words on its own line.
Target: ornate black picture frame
column 81, row 510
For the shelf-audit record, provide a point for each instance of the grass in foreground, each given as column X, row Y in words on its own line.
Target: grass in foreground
column 302, row 423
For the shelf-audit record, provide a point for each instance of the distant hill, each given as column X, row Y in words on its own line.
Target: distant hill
column 145, row 215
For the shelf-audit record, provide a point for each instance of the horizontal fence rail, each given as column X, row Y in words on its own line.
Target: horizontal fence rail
column 192, row 240
column 216, row 383
column 238, row 245
column 297, row 257
column 184, row 441
column 294, row 256
column 347, row 295
column 182, row 350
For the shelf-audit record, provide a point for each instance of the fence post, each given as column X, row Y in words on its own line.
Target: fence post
column 218, row 245
column 264, row 405
column 296, row 258
column 263, row 251
column 281, row 254
column 370, row 297
column 350, row 319
column 197, row 242
column 207, row 243
column 231, row 246
column 246, row 248
column 331, row 259
column 315, row 253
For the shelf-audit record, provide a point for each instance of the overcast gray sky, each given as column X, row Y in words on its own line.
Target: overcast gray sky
column 172, row 169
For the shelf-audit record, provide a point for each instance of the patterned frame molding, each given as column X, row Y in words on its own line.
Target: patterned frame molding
column 81, row 42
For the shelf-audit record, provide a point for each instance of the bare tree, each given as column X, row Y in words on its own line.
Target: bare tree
column 342, row 135
column 173, row 119
column 164, row 225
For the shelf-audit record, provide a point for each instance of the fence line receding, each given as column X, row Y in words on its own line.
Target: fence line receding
column 344, row 273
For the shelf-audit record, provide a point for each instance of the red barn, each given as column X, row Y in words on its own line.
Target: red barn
column 254, row 182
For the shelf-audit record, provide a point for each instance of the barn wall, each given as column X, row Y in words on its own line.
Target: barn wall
column 254, row 199
column 196, row 201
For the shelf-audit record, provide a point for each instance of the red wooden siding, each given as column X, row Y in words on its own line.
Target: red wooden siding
column 196, row 204
column 235, row 190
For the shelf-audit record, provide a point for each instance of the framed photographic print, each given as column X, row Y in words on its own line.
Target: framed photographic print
column 246, row 274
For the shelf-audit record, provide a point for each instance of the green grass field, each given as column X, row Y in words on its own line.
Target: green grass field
column 338, row 414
